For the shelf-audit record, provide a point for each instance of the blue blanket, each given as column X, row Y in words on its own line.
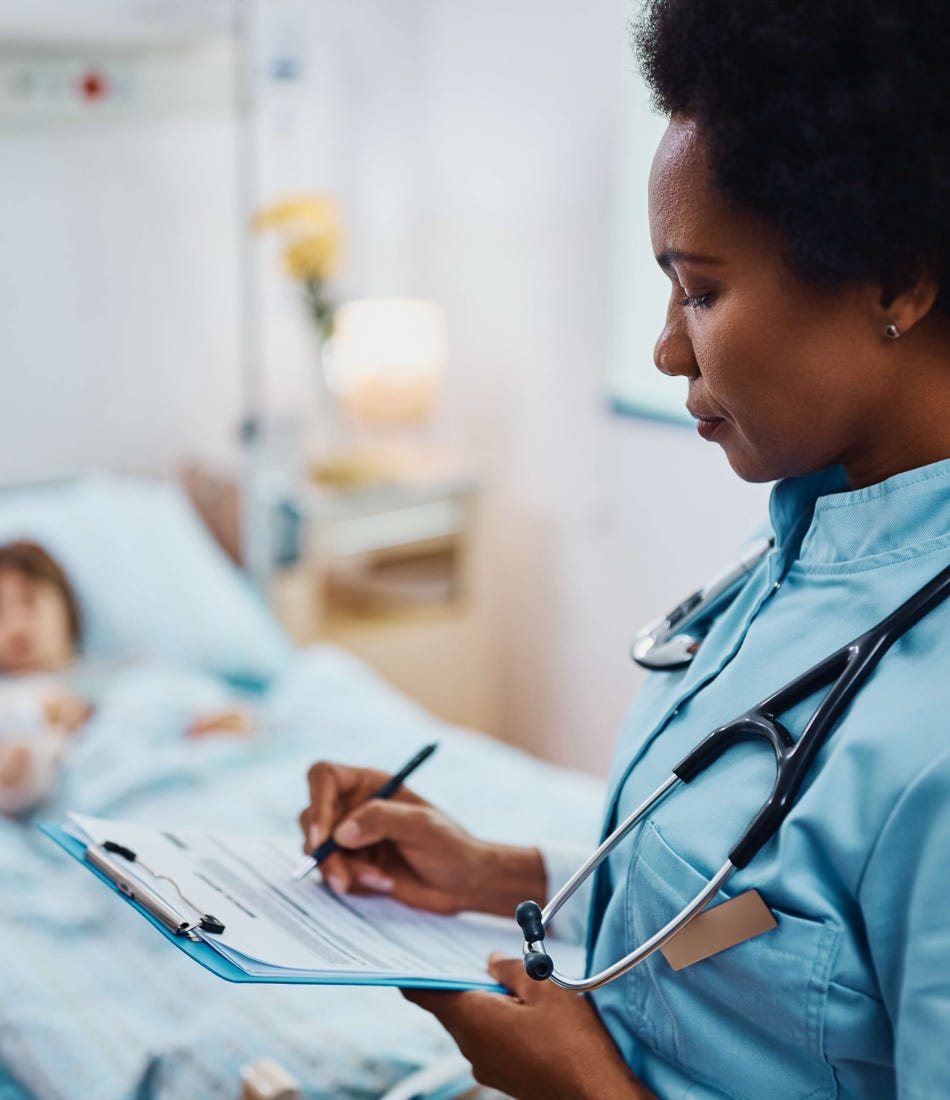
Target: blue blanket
column 94, row 1004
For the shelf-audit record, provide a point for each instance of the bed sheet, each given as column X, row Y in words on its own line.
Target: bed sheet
column 94, row 1005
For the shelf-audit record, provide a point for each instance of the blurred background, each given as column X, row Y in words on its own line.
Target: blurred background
column 373, row 279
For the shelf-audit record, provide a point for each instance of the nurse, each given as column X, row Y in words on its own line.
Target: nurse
column 800, row 208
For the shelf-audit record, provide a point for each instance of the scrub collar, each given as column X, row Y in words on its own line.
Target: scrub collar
column 819, row 522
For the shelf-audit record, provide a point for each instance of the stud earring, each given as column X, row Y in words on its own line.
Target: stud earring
column 892, row 332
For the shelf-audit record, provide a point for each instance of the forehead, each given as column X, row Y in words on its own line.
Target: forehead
column 689, row 216
column 15, row 583
column 682, row 205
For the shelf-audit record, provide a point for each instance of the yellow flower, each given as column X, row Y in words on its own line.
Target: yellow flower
column 299, row 210
column 312, row 227
column 313, row 256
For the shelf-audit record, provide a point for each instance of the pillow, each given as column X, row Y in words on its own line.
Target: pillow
column 150, row 580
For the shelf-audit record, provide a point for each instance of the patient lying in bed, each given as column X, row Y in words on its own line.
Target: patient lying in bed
column 41, row 709
column 93, row 1002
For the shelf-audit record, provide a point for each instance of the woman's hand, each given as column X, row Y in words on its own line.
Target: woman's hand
column 543, row 1043
column 405, row 847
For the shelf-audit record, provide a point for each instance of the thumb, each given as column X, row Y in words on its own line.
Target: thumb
column 511, row 974
column 379, row 819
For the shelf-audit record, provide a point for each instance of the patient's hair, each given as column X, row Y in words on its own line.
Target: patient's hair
column 34, row 562
column 829, row 119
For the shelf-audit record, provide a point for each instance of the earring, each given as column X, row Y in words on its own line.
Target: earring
column 892, row 332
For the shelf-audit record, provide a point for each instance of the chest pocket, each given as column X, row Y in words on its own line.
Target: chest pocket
column 748, row 1021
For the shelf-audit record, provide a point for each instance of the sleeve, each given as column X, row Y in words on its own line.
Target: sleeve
column 20, row 709
column 903, row 896
column 560, row 862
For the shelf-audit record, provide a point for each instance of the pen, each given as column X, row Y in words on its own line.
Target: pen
column 387, row 790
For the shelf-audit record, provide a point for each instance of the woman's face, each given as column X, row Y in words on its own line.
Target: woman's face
column 785, row 377
column 34, row 625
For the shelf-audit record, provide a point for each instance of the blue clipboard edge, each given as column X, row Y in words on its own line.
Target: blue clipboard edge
column 206, row 956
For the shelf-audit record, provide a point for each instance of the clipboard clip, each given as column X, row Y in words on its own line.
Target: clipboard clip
column 102, row 857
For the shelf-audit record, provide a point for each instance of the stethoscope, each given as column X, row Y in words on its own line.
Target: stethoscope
column 666, row 644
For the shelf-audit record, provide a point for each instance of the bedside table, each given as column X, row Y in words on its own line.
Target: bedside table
column 393, row 573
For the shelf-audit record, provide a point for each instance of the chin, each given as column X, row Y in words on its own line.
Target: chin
column 753, row 469
column 756, row 468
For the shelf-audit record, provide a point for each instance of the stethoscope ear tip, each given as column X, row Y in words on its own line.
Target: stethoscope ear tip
column 537, row 962
column 538, row 965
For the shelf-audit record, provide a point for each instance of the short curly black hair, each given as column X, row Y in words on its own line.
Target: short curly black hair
column 829, row 119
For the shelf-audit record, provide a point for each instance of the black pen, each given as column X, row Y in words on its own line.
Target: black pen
column 387, row 790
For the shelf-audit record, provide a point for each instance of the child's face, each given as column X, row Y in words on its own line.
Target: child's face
column 34, row 625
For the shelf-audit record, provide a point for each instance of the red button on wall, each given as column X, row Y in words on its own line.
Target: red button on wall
column 93, row 85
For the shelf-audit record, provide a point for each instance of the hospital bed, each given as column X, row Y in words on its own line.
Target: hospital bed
column 93, row 1004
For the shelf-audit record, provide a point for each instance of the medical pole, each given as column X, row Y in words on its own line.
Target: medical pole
column 254, row 513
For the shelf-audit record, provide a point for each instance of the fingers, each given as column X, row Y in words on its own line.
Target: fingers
column 402, row 823
column 453, row 1008
column 343, row 794
column 331, row 787
column 336, row 789
column 512, row 975
column 432, row 1000
column 457, row 1011
column 481, row 1023
column 414, row 893
column 360, row 875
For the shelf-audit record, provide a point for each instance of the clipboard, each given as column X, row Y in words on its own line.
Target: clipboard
column 196, row 949
column 205, row 955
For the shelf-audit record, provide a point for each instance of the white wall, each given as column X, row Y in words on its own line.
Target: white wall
column 118, row 246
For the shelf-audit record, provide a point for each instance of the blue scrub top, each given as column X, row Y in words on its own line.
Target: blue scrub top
column 850, row 995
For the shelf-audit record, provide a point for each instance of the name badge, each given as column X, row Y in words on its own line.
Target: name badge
column 716, row 929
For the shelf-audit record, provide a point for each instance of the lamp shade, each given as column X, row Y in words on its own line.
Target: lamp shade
column 386, row 359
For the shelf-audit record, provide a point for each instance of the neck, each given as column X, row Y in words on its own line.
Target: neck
column 912, row 428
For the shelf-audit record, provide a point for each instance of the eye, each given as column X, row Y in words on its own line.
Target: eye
column 697, row 301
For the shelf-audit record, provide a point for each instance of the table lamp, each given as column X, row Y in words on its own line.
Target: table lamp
column 384, row 363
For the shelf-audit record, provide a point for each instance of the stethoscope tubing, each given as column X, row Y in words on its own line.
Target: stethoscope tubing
column 666, row 933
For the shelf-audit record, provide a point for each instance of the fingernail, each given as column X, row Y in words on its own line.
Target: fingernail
column 336, row 884
column 372, row 880
column 313, row 837
column 348, row 833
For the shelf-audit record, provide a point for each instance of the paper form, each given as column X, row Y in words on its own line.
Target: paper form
column 276, row 926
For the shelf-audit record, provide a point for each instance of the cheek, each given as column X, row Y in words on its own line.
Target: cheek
column 762, row 375
column 50, row 626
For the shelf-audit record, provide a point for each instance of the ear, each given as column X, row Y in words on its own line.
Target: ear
column 918, row 284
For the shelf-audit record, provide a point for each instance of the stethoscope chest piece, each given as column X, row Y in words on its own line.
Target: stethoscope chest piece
column 678, row 652
column 672, row 641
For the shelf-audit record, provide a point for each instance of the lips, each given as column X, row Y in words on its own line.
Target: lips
column 701, row 414
column 706, row 424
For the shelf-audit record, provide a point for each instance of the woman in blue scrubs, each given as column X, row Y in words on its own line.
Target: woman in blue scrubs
column 800, row 208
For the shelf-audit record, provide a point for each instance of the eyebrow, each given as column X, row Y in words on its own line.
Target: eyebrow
column 667, row 258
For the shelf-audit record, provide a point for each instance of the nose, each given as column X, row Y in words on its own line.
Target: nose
column 673, row 351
